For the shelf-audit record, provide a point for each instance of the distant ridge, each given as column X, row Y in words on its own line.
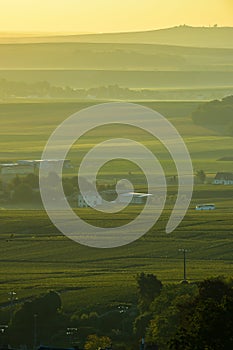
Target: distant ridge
column 212, row 37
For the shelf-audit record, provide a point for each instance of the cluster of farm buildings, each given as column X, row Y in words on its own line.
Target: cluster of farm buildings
column 23, row 168
column 93, row 200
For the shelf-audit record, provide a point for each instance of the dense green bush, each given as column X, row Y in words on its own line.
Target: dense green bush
column 216, row 113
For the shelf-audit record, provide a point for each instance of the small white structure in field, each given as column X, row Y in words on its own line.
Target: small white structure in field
column 223, row 179
column 89, row 200
column 137, row 198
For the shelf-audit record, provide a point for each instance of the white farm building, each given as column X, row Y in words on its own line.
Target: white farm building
column 223, row 179
column 89, row 200
column 93, row 200
column 137, row 198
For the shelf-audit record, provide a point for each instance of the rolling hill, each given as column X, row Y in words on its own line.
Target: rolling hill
column 113, row 56
column 181, row 35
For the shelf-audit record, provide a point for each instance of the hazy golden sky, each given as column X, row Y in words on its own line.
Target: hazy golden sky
column 111, row 15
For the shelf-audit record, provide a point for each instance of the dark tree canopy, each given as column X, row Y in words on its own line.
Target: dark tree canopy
column 217, row 114
column 207, row 321
column 166, row 311
column 46, row 310
column 201, row 176
column 148, row 287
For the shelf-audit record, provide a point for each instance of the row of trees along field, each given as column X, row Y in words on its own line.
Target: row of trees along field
column 184, row 316
column 217, row 114
column 43, row 89
column 26, row 189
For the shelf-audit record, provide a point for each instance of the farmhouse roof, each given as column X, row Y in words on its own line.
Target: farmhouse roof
column 224, row 176
column 135, row 194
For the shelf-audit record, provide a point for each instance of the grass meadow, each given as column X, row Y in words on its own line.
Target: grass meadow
column 35, row 257
column 26, row 127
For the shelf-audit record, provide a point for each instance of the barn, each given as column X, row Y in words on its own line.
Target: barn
column 223, row 179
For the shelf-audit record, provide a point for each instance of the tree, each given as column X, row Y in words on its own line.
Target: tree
column 166, row 312
column 201, row 176
column 215, row 114
column 23, row 193
column 16, row 181
column 94, row 342
column 207, row 321
column 148, row 288
column 141, row 324
column 110, row 320
column 49, row 319
column 68, row 188
column 32, row 180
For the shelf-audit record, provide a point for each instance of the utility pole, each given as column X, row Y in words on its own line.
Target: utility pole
column 35, row 331
column 184, row 251
column 12, row 298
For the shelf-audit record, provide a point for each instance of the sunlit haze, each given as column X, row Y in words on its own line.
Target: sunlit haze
column 78, row 16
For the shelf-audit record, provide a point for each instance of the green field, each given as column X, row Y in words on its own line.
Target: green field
column 25, row 128
column 35, row 257
column 161, row 79
column 115, row 56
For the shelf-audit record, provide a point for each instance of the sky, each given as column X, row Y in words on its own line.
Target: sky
column 95, row 16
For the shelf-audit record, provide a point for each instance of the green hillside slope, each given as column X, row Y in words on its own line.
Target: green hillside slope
column 113, row 56
column 182, row 35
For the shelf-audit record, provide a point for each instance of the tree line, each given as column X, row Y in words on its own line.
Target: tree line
column 175, row 316
column 44, row 90
column 25, row 189
column 216, row 114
